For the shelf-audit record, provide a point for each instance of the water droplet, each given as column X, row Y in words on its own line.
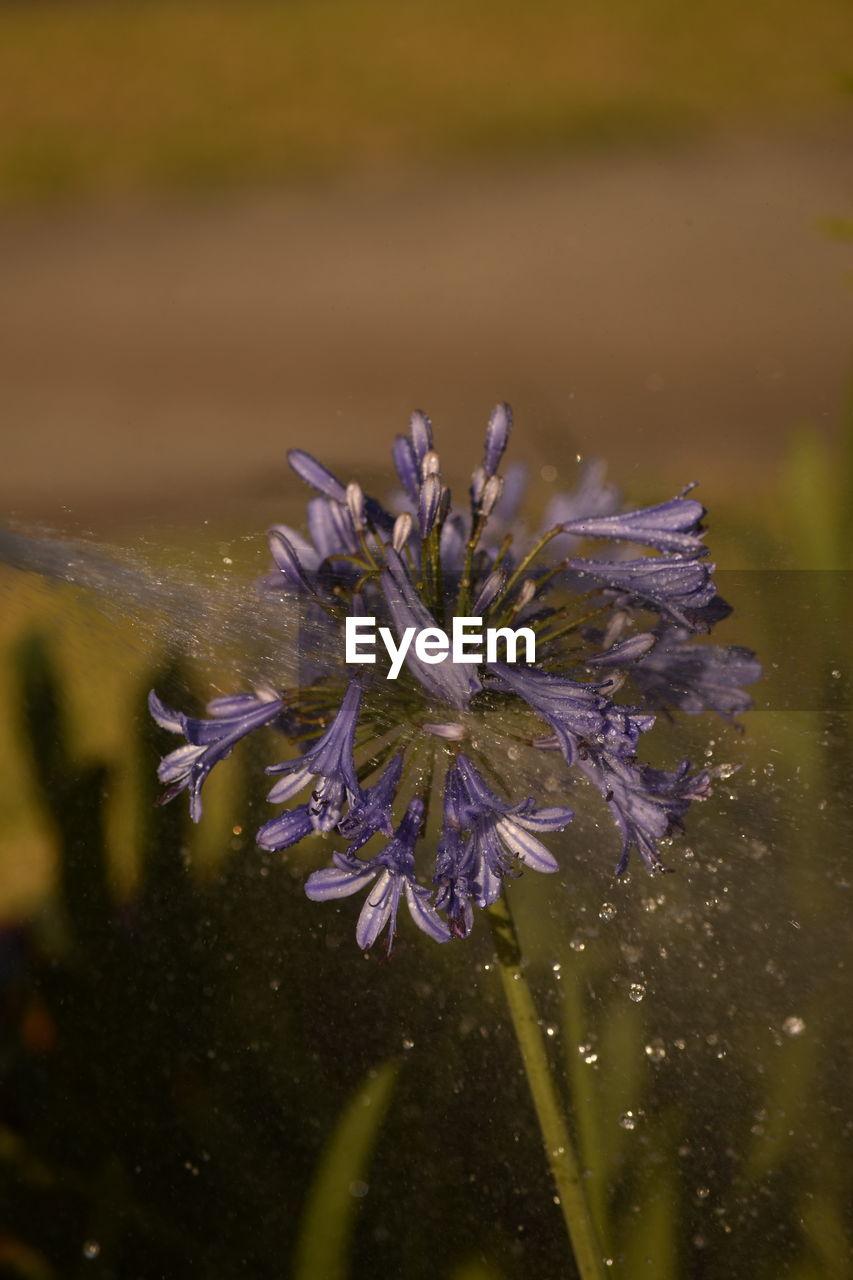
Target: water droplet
column 769, row 770
column 628, row 1120
column 793, row 1026
column 588, row 1053
column 408, row 1044
column 607, row 912
column 836, row 675
column 656, row 1050
column 703, row 1192
column 555, row 968
column 91, row 1249
column 550, row 1031
column 578, row 944
column 636, row 991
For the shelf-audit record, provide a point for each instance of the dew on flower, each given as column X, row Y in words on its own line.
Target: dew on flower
column 793, row 1026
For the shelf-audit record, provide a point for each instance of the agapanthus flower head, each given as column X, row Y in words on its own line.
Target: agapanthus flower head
column 406, row 746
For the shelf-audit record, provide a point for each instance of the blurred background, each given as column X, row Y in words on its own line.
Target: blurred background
column 228, row 229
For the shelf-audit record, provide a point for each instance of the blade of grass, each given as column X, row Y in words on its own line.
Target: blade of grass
column 328, row 1218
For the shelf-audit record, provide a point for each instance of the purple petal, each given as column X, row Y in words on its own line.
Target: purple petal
column 525, row 846
column 380, row 906
column 315, row 474
column 289, row 786
column 338, row 882
column 625, row 651
column 285, row 830
column 672, row 526
column 447, row 681
column 420, row 429
column 424, row 913
column 406, row 462
column 165, row 716
column 670, row 585
column 177, row 764
column 556, row 818
column 288, row 562
column 330, row 526
column 573, row 710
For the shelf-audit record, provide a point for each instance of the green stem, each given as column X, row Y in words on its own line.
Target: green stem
column 559, row 1149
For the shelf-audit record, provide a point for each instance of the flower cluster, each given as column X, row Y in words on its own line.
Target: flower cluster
column 377, row 753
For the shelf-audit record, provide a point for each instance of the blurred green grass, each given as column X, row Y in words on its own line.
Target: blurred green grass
column 100, row 99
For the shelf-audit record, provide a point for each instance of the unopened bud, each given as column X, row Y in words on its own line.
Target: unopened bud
column 401, row 532
column 430, row 464
column 526, row 592
column 431, row 491
column 492, row 490
column 355, row 504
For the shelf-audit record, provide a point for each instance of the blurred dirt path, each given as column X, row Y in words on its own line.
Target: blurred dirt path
column 679, row 311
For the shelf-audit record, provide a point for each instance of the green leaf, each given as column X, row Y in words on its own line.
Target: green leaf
column 328, row 1219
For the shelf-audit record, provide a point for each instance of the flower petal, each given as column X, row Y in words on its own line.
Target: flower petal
column 424, row 913
column 525, row 846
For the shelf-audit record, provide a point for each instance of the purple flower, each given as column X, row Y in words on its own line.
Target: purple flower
column 503, row 833
column 331, row 761
column 393, row 871
column 647, row 803
column 674, row 527
column 419, row 568
column 574, row 711
column 372, row 812
column 671, row 585
column 696, row 677
column 208, row 741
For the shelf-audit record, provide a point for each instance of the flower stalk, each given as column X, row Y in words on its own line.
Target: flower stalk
column 559, row 1147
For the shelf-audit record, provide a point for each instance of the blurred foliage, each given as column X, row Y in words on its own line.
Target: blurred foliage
column 98, row 97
